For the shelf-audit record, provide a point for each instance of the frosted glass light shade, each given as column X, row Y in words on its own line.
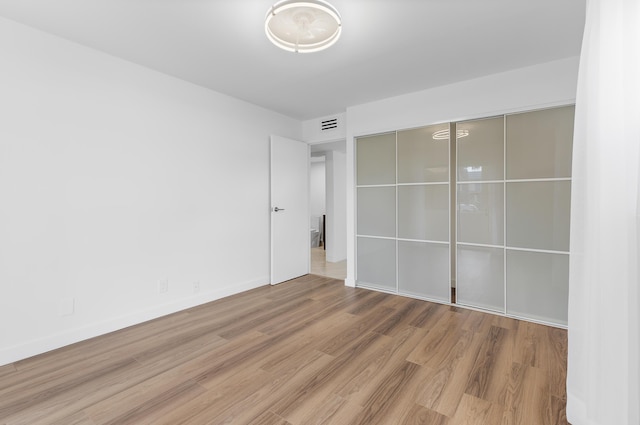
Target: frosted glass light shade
column 303, row 26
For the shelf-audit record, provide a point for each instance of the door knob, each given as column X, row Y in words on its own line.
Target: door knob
column 276, row 209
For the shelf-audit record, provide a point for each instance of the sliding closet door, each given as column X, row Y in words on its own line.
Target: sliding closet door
column 512, row 189
column 513, row 209
column 538, row 193
column 403, row 212
column 423, row 212
column 480, row 214
column 376, row 211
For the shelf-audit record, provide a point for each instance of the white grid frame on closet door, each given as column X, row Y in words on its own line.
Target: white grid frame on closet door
column 425, row 241
column 397, row 225
column 358, row 235
column 398, row 239
column 507, row 247
column 459, row 184
column 504, row 210
column 454, row 184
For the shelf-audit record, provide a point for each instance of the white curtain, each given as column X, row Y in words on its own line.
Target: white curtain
column 603, row 376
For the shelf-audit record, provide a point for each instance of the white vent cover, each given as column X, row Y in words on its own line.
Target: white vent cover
column 329, row 124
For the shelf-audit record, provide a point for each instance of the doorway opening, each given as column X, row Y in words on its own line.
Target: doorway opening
column 327, row 178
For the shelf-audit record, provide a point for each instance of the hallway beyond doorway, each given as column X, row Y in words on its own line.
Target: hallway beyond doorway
column 320, row 266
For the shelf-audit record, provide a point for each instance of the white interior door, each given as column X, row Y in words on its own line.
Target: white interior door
column 290, row 244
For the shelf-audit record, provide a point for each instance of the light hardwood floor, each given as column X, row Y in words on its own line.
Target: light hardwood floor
column 320, row 265
column 308, row 351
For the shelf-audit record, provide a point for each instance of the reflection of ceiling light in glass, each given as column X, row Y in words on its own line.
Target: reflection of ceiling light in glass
column 303, row 26
column 444, row 134
column 441, row 135
column 472, row 169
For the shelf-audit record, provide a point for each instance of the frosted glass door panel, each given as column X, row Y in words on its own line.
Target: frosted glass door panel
column 481, row 213
column 539, row 144
column 538, row 215
column 423, row 270
column 421, row 158
column 480, row 146
column 480, row 277
column 538, row 285
column 423, row 212
column 376, row 159
column 376, row 263
column 377, row 211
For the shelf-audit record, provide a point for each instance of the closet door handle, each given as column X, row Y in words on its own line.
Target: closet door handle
column 276, row 209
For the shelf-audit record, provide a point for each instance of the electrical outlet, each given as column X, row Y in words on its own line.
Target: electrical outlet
column 196, row 286
column 163, row 286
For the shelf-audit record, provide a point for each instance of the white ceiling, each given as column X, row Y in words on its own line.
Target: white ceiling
column 387, row 48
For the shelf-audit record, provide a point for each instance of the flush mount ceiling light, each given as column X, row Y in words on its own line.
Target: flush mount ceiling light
column 303, row 26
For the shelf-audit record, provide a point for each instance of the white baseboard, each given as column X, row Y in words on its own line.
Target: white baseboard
column 334, row 259
column 350, row 282
column 42, row 345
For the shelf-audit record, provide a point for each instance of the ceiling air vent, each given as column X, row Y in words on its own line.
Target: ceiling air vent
column 329, row 124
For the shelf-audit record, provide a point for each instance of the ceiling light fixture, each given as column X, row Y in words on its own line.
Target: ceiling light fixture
column 303, row 26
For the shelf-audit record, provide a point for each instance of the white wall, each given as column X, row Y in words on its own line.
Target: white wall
column 336, row 206
column 543, row 85
column 312, row 133
column 317, row 188
column 113, row 177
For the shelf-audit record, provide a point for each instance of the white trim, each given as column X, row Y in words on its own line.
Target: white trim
column 423, row 184
column 538, row 321
column 355, row 216
column 450, row 206
column 371, row 287
column 375, row 185
column 454, row 184
column 479, row 181
column 397, row 222
column 428, row 299
column 481, row 245
column 453, row 209
column 487, row 309
column 374, row 287
column 504, row 211
column 375, row 237
column 325, row 141
column 543, row 251
column 52, row 342
column 551, row 179
column 375, row 131
column 423, row 241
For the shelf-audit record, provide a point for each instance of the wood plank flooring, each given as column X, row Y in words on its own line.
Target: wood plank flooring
column 308, row 351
